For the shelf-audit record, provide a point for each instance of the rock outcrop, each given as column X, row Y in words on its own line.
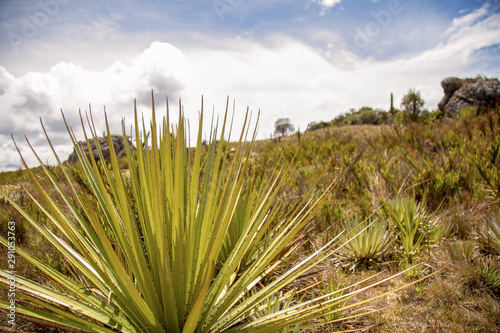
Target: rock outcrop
column 118, row 145
column 480, row 92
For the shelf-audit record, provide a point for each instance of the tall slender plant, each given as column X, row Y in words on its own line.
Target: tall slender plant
column 411, row 222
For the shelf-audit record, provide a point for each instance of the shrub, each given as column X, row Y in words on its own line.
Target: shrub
column 316, row 126
column 363, row 116
column 412, row 104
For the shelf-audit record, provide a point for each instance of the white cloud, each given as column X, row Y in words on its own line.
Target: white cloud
column 70, row 87
column 468, row 19
column 328, row 3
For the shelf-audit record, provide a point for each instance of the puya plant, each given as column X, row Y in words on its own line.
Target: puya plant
column 409, row 219
column 413, row 228
column 145, row 250
column 371, row 240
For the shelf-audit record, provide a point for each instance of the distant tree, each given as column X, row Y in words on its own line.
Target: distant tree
column 413, row 104
column 283, row 127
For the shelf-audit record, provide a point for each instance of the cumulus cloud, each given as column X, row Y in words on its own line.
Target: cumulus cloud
column 160, row 68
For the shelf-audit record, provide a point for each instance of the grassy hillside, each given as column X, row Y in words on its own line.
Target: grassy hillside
column 425, row 194
column 452, row 168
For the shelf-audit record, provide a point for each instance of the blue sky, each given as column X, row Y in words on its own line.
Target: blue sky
column 307, row 60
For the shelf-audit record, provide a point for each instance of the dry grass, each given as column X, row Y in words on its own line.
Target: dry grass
column 16, row 183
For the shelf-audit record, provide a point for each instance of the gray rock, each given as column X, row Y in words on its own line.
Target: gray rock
column 118, row 144
column 450, row 85
column 459, row 94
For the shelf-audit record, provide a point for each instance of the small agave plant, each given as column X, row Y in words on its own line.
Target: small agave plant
column 371, row 240
column 183, row 243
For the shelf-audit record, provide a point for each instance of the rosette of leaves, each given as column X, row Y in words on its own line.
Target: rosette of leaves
column 412, row 226
column 367, row 241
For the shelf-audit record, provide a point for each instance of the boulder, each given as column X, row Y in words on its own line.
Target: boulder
column 118, row 144
column 450, row 85
column 481, row 93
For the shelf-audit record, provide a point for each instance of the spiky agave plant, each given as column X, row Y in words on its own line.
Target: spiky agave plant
column 144, row 254
column 371, row 240
column 412, row 223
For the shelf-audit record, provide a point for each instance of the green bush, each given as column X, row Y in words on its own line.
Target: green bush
column 364, row 116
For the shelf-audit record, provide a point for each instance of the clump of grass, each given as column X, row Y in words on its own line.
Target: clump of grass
column 463, row 257
column 490, row 273
column 460, row 222
column 455, row 307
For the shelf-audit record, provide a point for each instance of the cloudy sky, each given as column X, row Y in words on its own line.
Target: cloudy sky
column 307, row 60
